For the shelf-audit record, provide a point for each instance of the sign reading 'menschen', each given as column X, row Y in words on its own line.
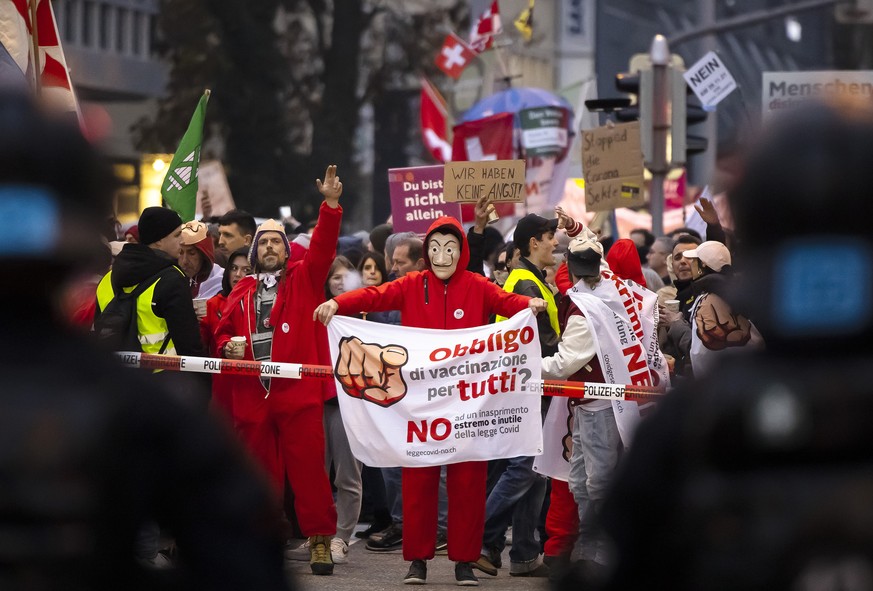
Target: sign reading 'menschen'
column 785, row 90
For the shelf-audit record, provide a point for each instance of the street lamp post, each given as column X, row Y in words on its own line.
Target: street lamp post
column 661, row 118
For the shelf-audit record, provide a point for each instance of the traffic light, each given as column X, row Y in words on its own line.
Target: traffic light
column 687, row 111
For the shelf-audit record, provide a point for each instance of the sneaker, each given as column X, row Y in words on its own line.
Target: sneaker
column 417, row 574
column 339, row 551
column 297, row 551
column 375, row 528
column 530, row 568
column 485, row 565
column 464, row 574
column 388, row 540
column 320, row 561
column 442, row 543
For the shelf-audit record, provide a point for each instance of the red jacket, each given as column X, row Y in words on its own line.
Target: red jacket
column 209, row 323
column 425, row 301
column 296, row 337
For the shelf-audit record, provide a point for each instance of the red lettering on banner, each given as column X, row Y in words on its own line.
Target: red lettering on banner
column 636, row 358
column 508, row 342
column 421, row 431
column 627, row 300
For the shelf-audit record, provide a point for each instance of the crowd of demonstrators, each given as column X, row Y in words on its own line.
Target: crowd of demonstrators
column 273, row 287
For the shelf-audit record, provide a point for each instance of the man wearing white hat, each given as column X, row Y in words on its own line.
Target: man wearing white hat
column 714, row 326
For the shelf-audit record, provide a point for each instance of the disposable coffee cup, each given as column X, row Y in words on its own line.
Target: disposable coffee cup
column 200, row 307
column 672, row 305
column 238, row 344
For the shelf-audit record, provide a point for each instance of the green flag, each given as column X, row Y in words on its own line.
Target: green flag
column 179, row 189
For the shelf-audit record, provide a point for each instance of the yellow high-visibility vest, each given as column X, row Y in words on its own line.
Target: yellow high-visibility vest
column 151, row 328
column 551, row 307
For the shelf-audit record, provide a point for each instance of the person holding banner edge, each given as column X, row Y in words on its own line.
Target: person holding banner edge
column 444, row 295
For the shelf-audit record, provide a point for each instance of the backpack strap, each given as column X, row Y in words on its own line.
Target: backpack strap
column 139, row 289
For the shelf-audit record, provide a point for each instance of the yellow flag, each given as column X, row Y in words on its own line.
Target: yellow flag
column 524, row 22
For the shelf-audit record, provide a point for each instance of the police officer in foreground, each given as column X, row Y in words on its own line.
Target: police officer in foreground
column 91, row 450
column 760, row 474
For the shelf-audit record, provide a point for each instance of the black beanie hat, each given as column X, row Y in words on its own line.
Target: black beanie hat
column 157, row 222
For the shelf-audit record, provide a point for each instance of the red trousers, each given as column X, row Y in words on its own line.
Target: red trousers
column 562, row 520
column 287, row 438
column 466, row 489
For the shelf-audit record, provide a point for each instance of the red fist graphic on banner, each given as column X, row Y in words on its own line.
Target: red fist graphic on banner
column 371, row 371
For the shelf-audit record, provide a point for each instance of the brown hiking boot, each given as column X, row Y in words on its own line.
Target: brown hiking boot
column 319, row 555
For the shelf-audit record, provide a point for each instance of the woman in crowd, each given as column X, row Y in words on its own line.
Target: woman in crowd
column 347, row 470
column 238, row 266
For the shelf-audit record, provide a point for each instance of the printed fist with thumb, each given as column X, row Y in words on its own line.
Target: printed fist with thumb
column 370, row 371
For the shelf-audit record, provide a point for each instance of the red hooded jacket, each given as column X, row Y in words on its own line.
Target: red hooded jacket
column 624, row 261
column 297, row 338
column 426, row 301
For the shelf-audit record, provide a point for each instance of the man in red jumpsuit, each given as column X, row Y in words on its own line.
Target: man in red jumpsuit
column 280, row 420
column 444, row 295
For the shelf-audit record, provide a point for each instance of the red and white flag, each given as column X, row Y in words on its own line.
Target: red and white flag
column 16, row 31
column 454, row 56
column 489, row 138
column 485, row 28
column 433, row 122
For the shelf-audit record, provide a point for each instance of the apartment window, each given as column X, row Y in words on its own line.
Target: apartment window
column 137, row 33
column 71, row 15
column 106, row 22
column 88, row 11
column 121, row 15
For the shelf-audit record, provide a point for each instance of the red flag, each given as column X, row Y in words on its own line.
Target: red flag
column 489, row 138
column 54, row 75
column 16, row 37
column 485, row 28
column 454, row 56
column 433, row 122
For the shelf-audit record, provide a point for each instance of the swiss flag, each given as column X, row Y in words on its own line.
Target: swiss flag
column 433, row 122
column 489, row 138
column 484, row 29
column 454, row 56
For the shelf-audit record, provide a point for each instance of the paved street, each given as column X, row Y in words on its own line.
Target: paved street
column 374, row 571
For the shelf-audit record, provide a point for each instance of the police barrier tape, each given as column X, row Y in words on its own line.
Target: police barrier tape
column 297, row 371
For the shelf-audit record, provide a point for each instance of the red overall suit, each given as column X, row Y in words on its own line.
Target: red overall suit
column 285, row 429
column 426, row 301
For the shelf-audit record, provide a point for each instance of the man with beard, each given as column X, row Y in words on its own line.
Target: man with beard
column 281, row 420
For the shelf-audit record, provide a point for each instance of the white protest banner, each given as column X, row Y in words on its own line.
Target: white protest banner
column 710, row 80
column 787, row 90
column 621, row 316
column 423, row 397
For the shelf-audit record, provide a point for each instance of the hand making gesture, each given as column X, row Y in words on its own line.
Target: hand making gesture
column 331, row 188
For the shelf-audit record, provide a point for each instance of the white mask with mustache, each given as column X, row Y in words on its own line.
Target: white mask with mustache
column 444, row 252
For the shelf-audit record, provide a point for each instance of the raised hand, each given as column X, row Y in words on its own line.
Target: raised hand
column 565, row 222
column 331, row 188
column 371, row 372
column 706, row 210
column 482, row 209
